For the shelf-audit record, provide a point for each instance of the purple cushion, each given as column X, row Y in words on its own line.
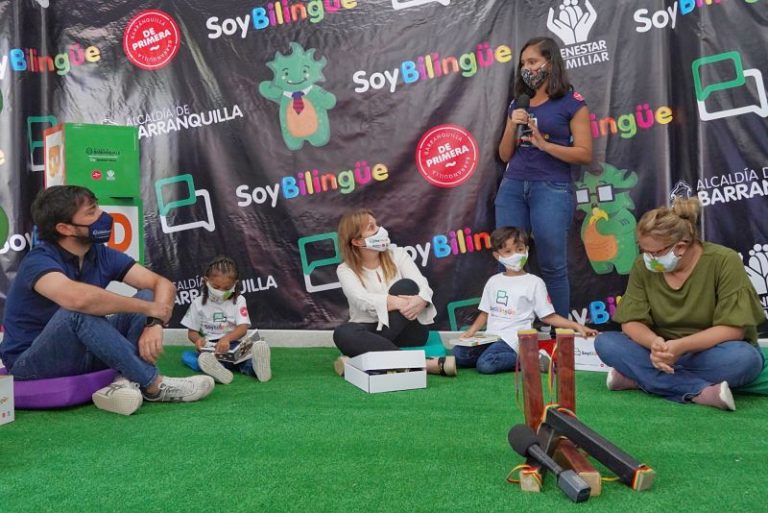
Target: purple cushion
column 43, row 394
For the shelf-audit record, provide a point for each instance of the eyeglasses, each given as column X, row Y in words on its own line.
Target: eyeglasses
column 604, row 193
column 662, row 251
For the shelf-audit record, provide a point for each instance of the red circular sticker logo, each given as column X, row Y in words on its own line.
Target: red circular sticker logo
column 151, row 39
column 96, row 174
column 447, row 155
column 244, row 312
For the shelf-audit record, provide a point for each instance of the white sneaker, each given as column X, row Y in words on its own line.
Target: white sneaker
column 260, row 356
column 122, row 397
column 184, row 390
column 212, row 366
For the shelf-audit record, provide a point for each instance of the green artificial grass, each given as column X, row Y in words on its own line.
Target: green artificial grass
column 308, row 441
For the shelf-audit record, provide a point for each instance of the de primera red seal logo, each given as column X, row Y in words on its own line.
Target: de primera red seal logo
column 151, row 40
column 447, row 155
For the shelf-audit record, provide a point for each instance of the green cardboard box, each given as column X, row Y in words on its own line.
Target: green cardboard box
column 103, row 158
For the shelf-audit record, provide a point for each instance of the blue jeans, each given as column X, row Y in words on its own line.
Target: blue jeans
column 76, row 343
column 737, row 362
column 489, row 358
column 546, row 210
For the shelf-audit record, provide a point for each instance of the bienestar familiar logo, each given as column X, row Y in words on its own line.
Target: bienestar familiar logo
column 151, row 40
column 446, row 155
column 572, row 24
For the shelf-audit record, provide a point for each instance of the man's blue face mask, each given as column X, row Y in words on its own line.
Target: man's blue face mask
column 100, row 230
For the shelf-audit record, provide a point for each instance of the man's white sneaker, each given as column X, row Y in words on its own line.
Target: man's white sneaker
column 185, row 390
column 213, row 367
column 260, row 356
column 122, row 397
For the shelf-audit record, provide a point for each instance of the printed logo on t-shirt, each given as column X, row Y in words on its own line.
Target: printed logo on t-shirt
column 244, row 311
column 219, row 317
column 502, row 298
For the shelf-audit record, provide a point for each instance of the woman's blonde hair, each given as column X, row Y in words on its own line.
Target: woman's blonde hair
column 671, row 224
column 351, row 227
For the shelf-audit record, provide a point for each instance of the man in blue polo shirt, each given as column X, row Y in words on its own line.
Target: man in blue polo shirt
column 60, row 320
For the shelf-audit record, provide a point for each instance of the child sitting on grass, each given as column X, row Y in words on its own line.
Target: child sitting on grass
column 219, row 318
column 511, row 301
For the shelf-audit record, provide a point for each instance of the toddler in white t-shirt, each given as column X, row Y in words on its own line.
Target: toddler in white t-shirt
column 511, row 301
column 218, row 319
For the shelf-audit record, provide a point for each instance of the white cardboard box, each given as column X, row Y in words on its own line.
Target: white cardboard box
column 586, row 357
column 361, row 371
column 6, row 400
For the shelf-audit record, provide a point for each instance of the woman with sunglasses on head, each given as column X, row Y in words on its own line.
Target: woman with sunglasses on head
column 541, row 141
column 689, row 316
column 390, row 301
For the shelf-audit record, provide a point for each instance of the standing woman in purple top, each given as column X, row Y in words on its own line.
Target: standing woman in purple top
column 536, row 193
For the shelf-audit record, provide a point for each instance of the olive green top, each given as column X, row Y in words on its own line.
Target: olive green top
column 718, row 292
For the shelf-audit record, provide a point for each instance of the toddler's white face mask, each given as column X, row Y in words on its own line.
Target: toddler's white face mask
column 220, row 295
column 514, row 262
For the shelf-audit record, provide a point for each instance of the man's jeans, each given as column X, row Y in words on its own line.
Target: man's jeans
column 546, row 210
column 489, row 359
column 75, row 343
column 737, row 362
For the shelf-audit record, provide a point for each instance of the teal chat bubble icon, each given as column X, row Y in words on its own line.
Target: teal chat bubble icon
column 453, row 306
column 738, row 80
column 307, row 267
column 165, row 207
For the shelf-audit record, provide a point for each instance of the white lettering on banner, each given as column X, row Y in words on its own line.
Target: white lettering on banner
column 659, row 19
column 581, row 318
column 377, row 80
column 418, row 253
column 150, row 39
column 259, row 195
column 17, row 242
column 227, row 27
column 163, row 122
column 189, row 289
column 733, row 186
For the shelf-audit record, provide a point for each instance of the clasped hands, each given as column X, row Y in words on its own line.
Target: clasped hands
column 409, row 306
column 664, row 354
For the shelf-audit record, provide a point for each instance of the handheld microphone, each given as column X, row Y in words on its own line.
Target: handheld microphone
column 524, row 442
column 523, row 102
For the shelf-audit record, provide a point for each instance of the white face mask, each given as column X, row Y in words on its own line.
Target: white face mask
column 379, row 241
column 662, row 264
column 220, row 295
column 514, row 262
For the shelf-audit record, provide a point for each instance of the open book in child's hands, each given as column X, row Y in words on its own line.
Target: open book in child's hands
column 478, row 339
column 238, row 351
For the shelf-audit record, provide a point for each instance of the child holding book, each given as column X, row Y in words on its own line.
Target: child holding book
column 217, row 319
column 511, row 301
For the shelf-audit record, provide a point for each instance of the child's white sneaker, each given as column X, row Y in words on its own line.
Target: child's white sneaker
column 210, row 365
column 262, row 364
column 184, row 390
column 121, row 396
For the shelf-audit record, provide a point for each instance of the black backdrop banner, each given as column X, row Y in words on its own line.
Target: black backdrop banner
column 260, row 123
